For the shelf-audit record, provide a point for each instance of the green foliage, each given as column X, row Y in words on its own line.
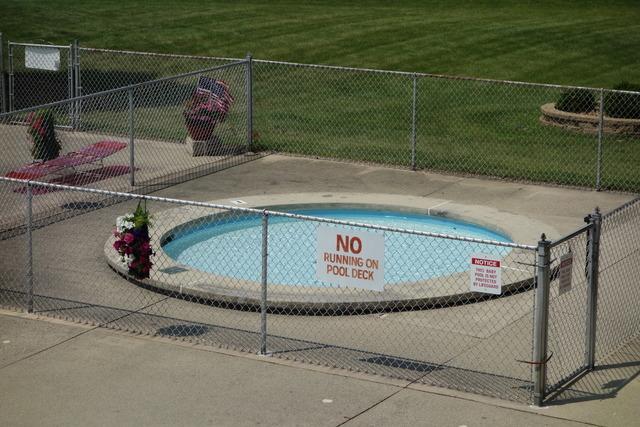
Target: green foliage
column 141, row 216
column 43, row 135
column 623, row 105
column 576, row 101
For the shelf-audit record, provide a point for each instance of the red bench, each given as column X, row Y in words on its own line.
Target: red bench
column 93, row 153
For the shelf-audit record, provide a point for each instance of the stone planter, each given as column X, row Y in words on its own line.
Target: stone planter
column 208, row 147
column 587, row 122
column 198, row 130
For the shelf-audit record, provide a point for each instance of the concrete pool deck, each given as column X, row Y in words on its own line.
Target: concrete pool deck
column 462, row 337
column 561, row 208
column 58, row 373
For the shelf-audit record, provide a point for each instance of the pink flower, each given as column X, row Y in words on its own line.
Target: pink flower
column 117, row 245
column 128, row 238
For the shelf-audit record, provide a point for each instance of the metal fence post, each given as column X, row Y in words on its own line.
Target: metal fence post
column 132, row 158
column 77, row 90
column 29, row 284
column 3, row 89
column 413, row 122
column 600, row 135
column 263, row 297
column 70, row 85
column 11, row 77
column 592, row 277
column 541, row 320
column 249, row 89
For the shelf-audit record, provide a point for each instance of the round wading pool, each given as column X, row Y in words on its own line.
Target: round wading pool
column 232, row 247
column 215, row 257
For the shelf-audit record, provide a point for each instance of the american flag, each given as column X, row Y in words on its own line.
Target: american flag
column 218, row 93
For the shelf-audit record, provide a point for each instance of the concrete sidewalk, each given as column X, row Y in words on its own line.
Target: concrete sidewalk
column 56, row 373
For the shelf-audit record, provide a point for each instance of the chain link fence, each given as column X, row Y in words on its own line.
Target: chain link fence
column 563, row 135
column 39, row 74
column 103, row 69
column 134, row 138
column 248, row 279
column 251, row 291
column 618, row 319
column 500, row 129
column 568, row 335
column 256, row 287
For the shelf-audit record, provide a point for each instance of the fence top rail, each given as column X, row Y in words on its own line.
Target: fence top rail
column 571, row 235
column 438, row 76
column 621, row 207
column 267, row 212
column 124, row 88
column 158, row 54
column 55, row 46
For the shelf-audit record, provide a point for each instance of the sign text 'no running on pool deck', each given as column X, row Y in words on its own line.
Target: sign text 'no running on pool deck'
column 350, row 257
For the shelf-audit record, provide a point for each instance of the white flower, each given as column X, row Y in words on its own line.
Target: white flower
column 124, row 222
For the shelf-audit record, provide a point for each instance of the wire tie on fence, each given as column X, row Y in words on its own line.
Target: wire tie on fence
column 528, row 362
column 525, row 263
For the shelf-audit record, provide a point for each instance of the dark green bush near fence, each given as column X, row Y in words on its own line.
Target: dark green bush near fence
column 623, row 105
column 576, row 101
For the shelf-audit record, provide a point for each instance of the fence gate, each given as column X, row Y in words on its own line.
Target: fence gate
column 40, row 74
column 572, row 304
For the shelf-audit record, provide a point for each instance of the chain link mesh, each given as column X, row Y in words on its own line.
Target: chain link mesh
column 524, row 132
column 31, row 84
column 500, row 129
column 103, row 69
column 425, row 326
column 347, row 115
column 567, row 329
column 13, row 244
column 621, row 138
column 128, row 139
column 618, row 291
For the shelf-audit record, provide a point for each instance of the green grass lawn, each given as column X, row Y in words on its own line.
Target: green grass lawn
column 466, row 127
column 583, row 42
column 462, row 126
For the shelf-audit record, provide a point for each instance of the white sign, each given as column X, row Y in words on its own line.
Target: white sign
column 42, row 58
column 486, row 274
column 564, row 274
column 350, row 258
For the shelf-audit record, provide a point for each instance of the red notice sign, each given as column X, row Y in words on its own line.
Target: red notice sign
column 485, row 273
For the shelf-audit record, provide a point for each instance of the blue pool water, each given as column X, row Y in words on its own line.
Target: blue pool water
column 232, row 246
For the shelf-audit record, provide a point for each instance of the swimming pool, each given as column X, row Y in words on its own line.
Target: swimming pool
column 231, row 246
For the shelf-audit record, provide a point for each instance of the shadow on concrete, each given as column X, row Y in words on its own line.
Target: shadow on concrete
column 606, row 380
column 183, row 330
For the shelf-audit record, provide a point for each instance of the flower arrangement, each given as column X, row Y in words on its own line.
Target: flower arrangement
column 42, row 131
column 133, row 242
column 201, row 115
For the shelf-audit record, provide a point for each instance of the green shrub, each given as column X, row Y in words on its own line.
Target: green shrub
column 43, row 136
column 623, row 105
column 576, row 101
